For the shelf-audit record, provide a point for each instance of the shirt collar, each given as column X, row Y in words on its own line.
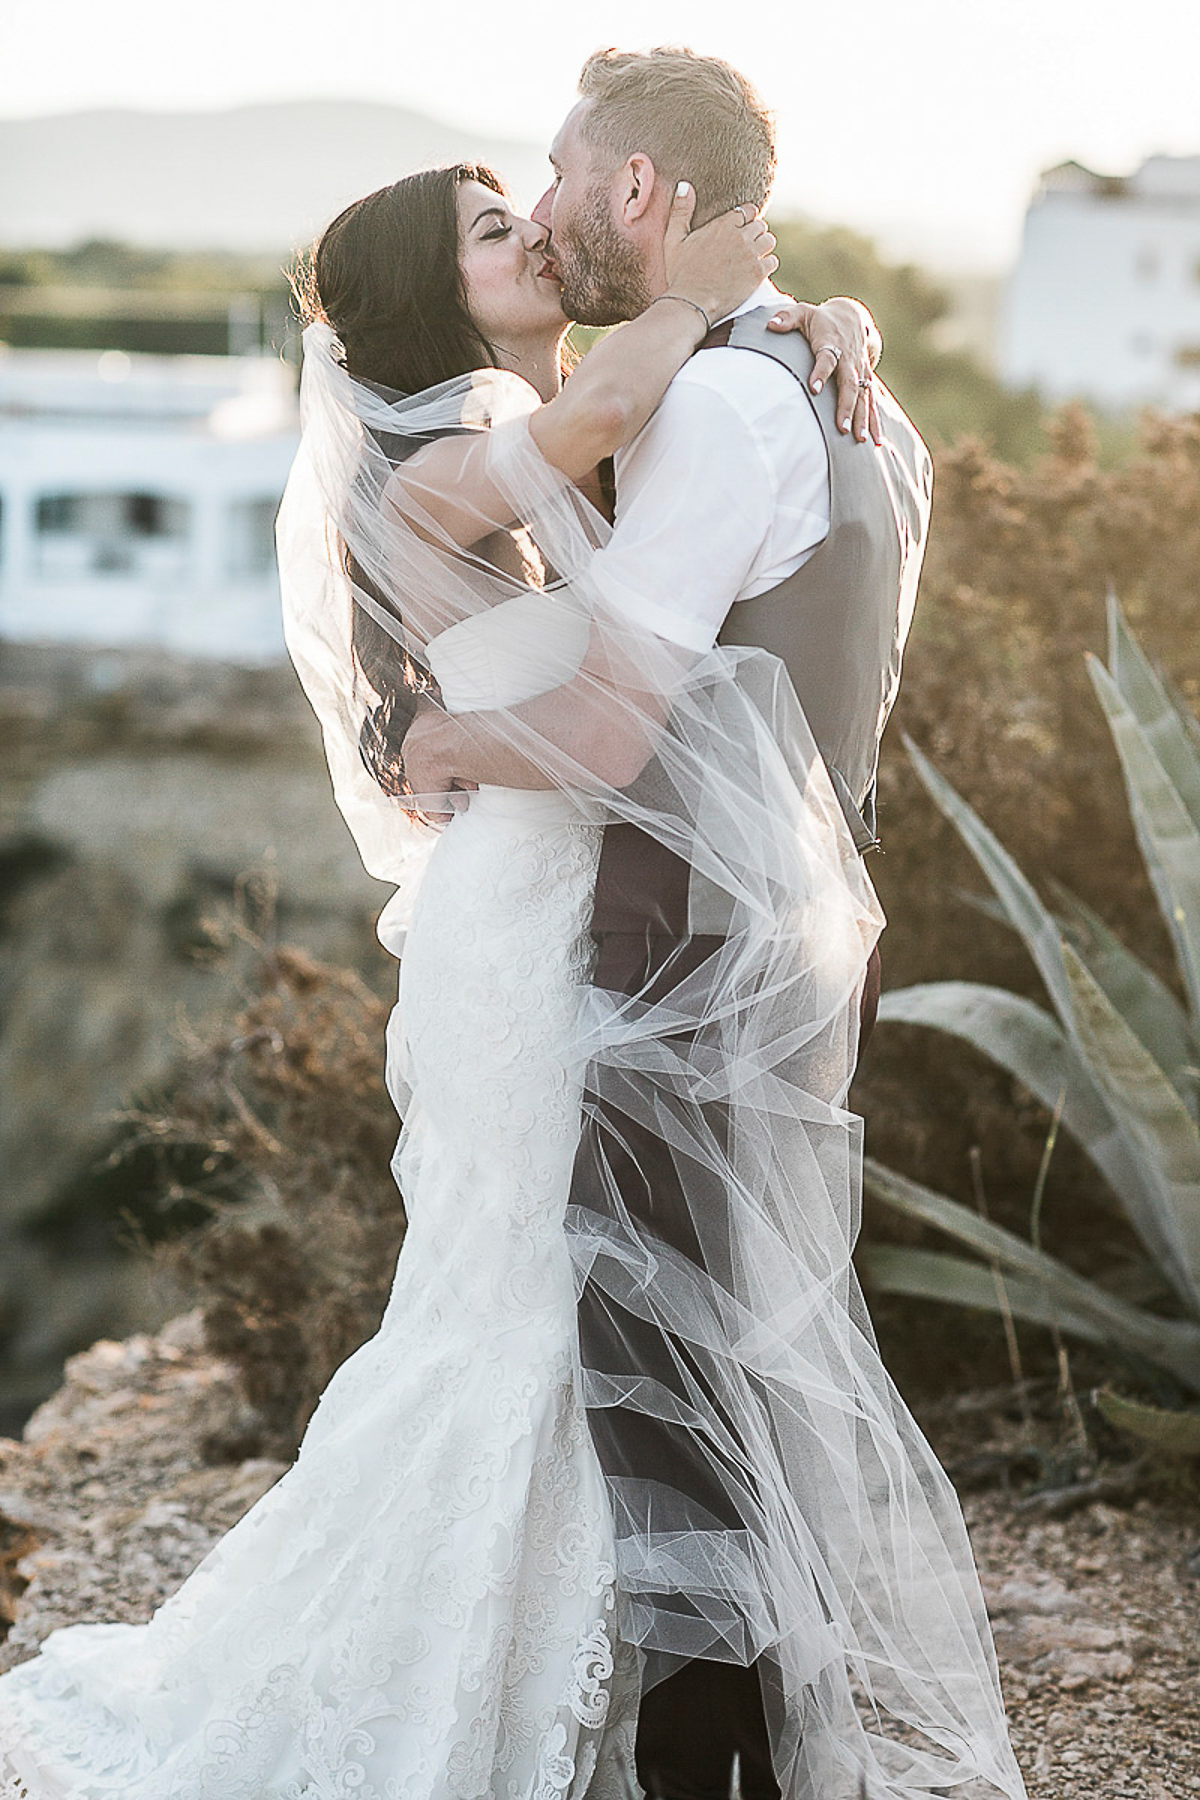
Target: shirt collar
column 765, row 294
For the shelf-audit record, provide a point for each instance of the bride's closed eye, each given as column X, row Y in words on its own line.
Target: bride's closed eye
column 497, row 232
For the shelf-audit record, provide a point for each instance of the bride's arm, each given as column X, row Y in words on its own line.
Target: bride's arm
column 616, row 387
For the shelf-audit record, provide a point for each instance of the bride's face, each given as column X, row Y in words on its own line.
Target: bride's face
column 512, row 291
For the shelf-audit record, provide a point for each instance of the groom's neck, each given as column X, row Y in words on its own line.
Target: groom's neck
column 637, row 297
column 654, row 273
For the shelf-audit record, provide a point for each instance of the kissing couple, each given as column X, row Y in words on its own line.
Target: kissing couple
column 620, row 1494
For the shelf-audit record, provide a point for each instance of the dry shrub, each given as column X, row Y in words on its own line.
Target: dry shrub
column 292, row 1270
column 995, row 686
column 996, row 691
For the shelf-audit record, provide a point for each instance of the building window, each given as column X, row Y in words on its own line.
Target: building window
column 138, row 534
column 140, row 515
column 252, row 538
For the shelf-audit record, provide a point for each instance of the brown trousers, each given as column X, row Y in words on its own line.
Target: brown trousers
column 692, row 1724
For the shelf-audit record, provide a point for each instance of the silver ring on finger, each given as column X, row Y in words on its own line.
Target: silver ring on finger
column 864, row 383
column 742, row 211
column 831, row 350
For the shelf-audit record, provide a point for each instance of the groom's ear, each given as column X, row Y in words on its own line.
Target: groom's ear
column 637, row 188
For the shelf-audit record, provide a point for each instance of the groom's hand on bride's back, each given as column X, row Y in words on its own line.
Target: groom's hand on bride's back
column 429, row 765
column 844, row 338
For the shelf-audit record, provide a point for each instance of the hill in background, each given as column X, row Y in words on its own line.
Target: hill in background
column 252, row 178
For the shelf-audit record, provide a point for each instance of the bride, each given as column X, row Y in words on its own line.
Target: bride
column 444, row 1597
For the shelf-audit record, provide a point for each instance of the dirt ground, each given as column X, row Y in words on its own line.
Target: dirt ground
column 1097, row 1624
column 113, row 1498
column 1095, row 1606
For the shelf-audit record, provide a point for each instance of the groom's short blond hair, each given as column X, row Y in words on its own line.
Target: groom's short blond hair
column 695, row 117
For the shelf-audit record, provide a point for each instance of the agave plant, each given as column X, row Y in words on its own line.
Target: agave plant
column 1115, row 1054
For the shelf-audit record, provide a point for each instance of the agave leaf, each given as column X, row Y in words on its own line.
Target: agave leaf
column 1030, row 1044
column 1158, row 713
column 933, row 1275
column 1025, row 911
column 1191, row 724
column 1178, row 1433
column 1146, row 1004
column 1153, row 1119
column 1173, row 1344
column 1167, row 833
column 987, row 904
column 1014, row 1032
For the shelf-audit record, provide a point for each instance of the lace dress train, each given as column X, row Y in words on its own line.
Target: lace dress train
column 425, row 1606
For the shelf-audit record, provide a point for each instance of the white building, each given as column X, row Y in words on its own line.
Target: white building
column 138, row 496
column 1105, row 300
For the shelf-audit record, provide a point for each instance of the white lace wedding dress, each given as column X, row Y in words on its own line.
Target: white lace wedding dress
column 425, row 1606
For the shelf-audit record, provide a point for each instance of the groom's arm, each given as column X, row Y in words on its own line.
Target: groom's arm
column 595, row 732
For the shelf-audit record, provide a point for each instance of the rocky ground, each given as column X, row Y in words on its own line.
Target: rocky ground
column 114, row 1496
column 1097, row 1624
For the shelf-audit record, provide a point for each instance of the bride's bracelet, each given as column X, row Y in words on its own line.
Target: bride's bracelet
column 685, row 302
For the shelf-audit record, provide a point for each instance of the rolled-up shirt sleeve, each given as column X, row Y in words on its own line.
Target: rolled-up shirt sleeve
column 694, row 505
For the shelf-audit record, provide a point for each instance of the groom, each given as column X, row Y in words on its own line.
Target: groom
column 743, row 516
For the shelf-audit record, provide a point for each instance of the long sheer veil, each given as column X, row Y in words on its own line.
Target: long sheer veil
column 837, row 1554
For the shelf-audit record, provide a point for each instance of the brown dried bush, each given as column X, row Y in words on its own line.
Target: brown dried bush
column 995, row 687
column 995, row 691
column 293, row 1266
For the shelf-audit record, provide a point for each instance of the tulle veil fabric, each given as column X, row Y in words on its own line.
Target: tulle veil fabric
column 849, row 1574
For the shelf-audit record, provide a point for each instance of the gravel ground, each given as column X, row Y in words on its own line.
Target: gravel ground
column 110, row 1501
column 1097, row 1624
column 1096, row 1612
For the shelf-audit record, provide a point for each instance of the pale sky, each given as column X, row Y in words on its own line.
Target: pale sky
column 923, row 122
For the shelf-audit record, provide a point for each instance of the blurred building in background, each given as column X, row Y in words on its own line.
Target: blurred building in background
column 1104, row 304
column 137, row 499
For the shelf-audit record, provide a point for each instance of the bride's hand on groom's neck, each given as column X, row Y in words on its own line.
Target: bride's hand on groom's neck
column 717, row 266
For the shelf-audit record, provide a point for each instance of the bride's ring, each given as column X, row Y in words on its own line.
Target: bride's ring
column 864, row 381
column 742, row 210
column 831, row 350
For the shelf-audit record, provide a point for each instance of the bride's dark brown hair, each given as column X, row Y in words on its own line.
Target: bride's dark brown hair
column 385, row 276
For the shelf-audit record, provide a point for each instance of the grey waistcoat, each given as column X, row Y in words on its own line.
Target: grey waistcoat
column 840, row 621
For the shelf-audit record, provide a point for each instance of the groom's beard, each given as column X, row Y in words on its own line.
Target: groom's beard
column 601, row 272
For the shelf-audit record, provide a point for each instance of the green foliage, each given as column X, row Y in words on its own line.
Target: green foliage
column 1173, row 1433
column 1118, row 1057
column 102, row 295
column 103, row 262
column 947, row 391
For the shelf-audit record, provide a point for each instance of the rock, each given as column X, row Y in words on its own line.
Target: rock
column 1041, row 1627
column 112, row 1500
column 109, row 1502
column 1045, row 1594
column 1079, row 1671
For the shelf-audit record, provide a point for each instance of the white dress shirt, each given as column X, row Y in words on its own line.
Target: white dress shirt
column 723, row 494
